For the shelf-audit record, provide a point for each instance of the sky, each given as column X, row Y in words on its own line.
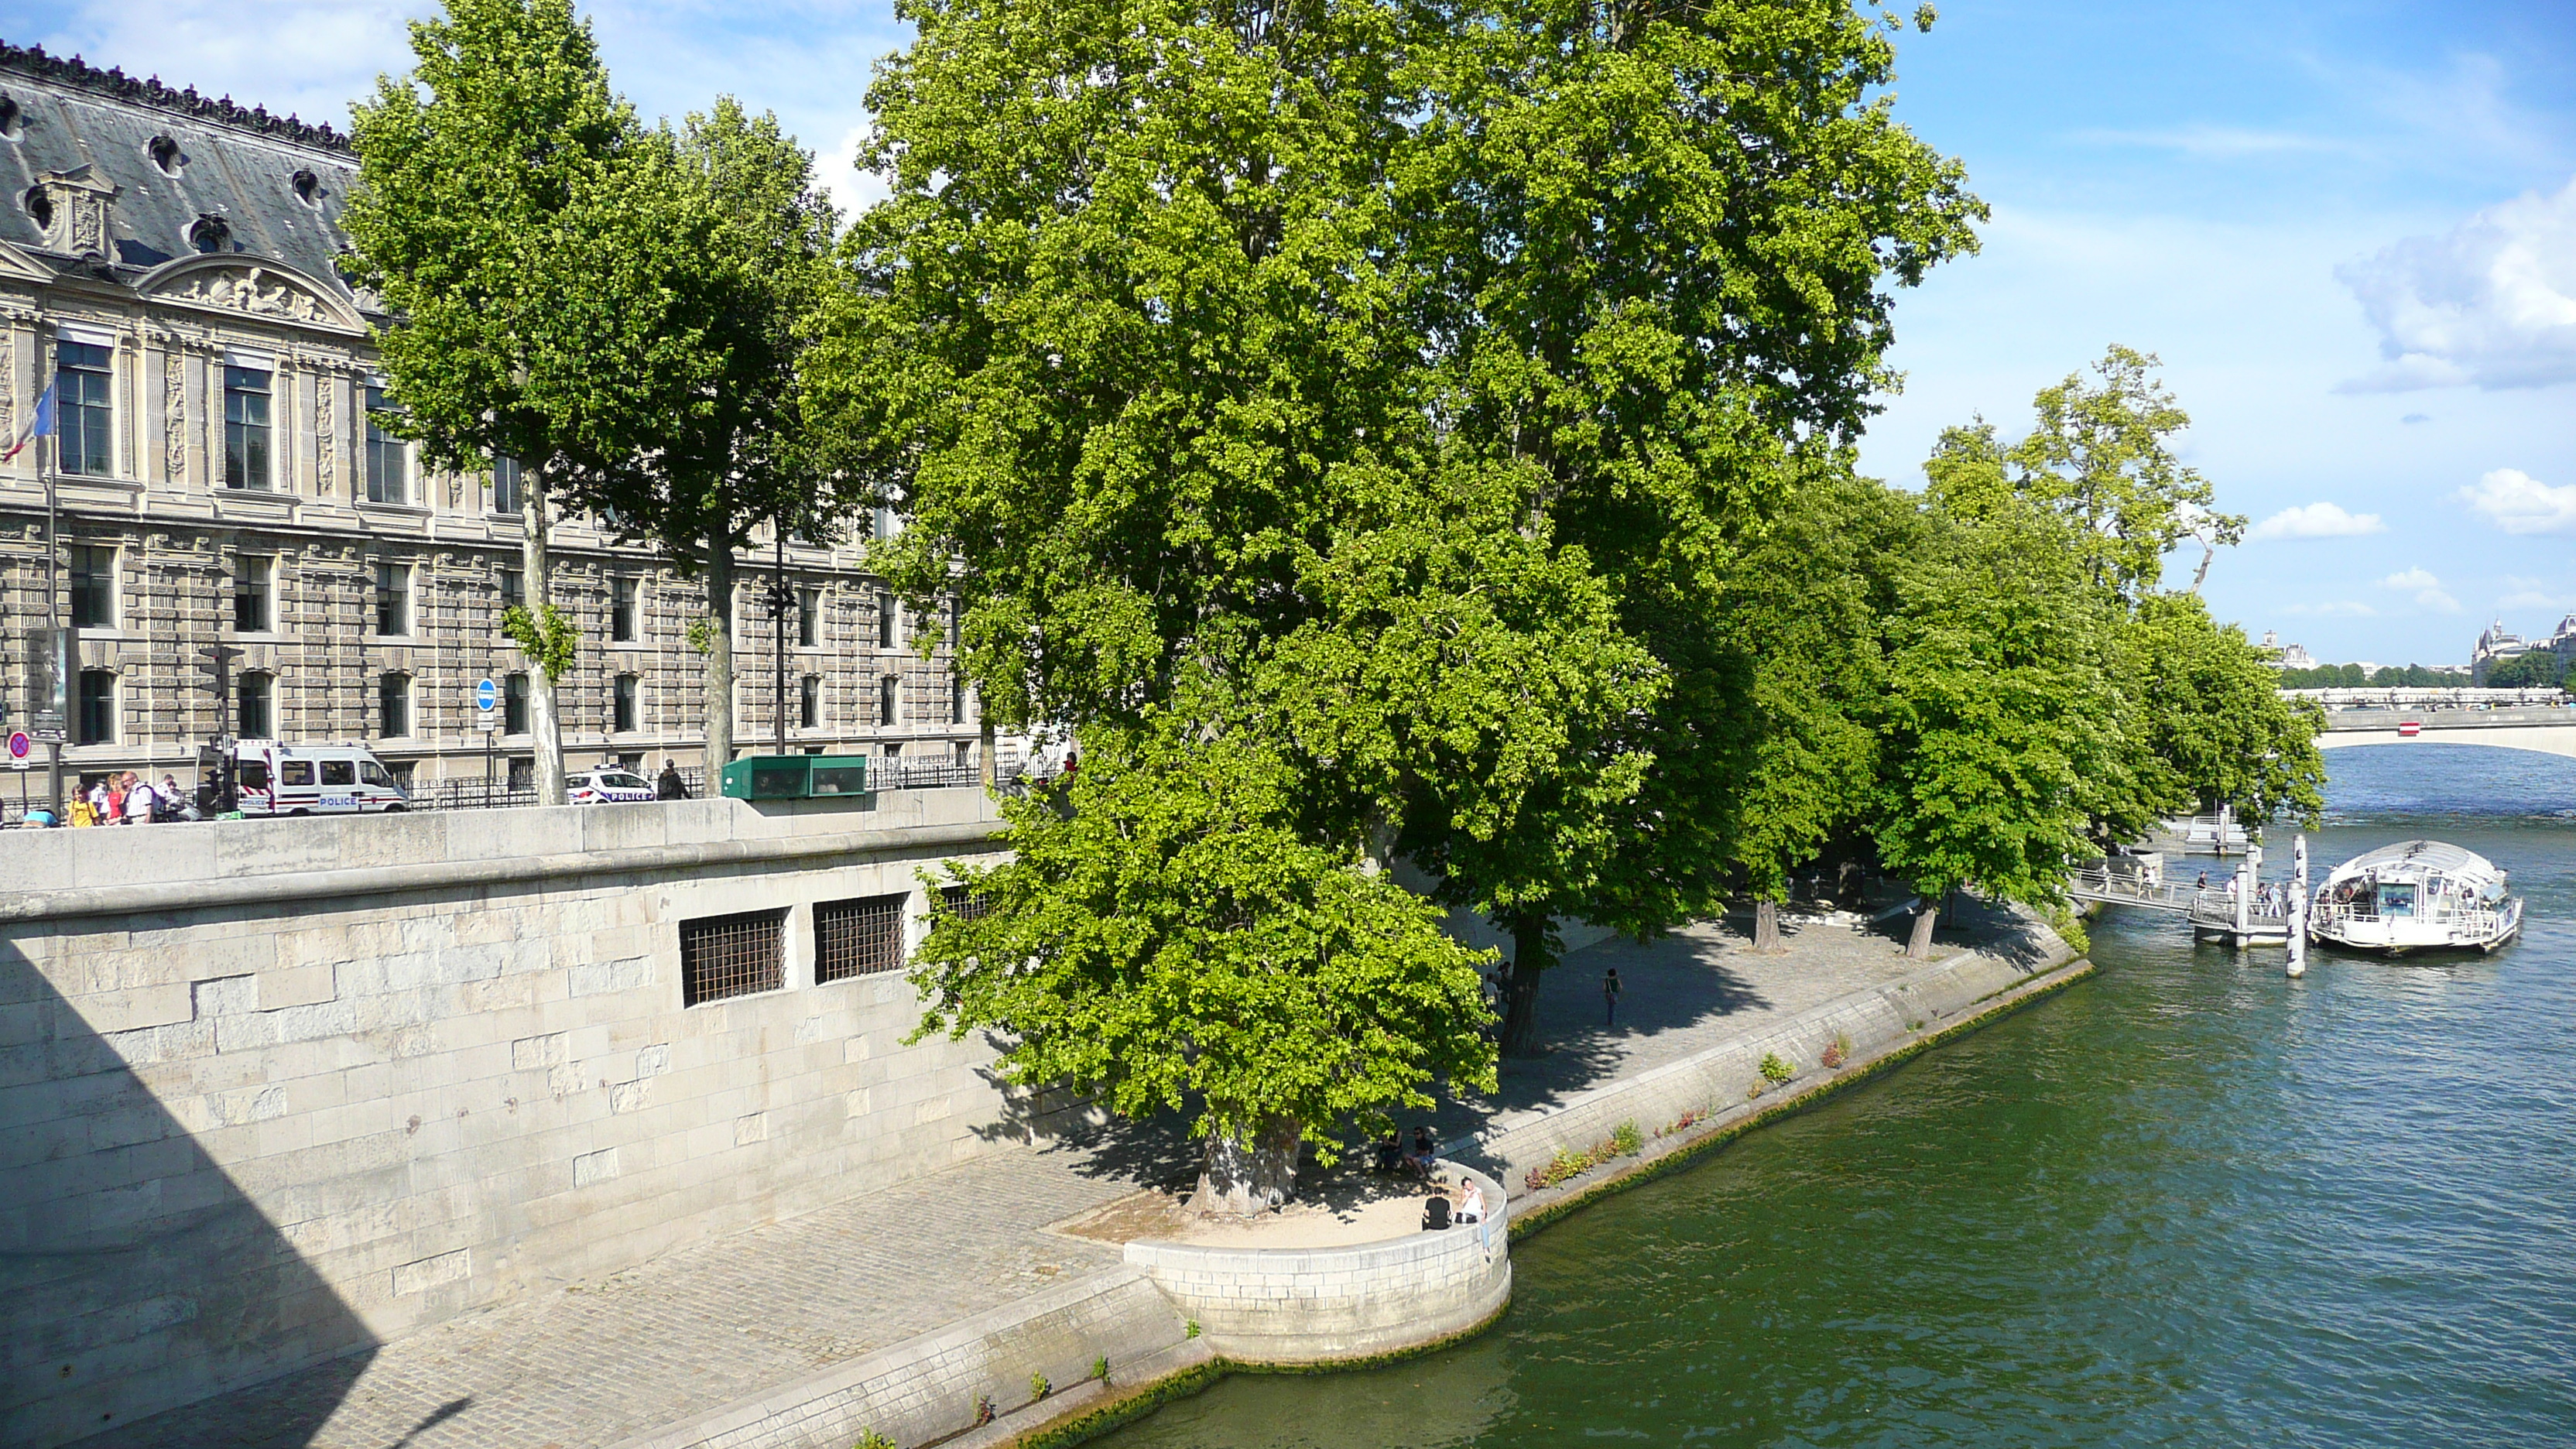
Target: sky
column 2347, row 228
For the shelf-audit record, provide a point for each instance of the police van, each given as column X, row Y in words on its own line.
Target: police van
column 283, row 779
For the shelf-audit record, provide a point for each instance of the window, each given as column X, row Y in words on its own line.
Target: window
column 253, row 715
column 514, row 705
column 889, row 690
column 965, row 757
column 339, row 772
column 295, row 772
column 514, row 589
column 393, row 599
column 246, row 453
column 857, row 937
column 210, row 233
column 372, row 773
column 93, row 586
column 393, row 707
column 505, row 486
column 956, row 700
column 965, row 903
column 622, row 705
column 97, row 707
column 523, row 774
column 888, row 632
column 723, row 956
column 252, row 602
column 621, row 611
column 388, row 457
column 81, row 410
column 809, row 702
column 809, row 618
column 956, row 622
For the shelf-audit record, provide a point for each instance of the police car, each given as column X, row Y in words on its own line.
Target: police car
column 608, row 785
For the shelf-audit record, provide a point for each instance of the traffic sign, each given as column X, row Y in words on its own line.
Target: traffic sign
column 19, row 746
column 486, row 695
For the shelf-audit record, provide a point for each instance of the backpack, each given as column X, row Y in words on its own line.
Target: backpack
column 1435, row 1214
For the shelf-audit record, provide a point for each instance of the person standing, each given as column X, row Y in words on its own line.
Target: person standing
column 139, row 800
column 670, row 786
column 1610, row 997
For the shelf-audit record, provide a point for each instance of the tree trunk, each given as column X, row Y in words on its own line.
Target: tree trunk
column 719, row 696
column 1532, row 954
column 543, row 723
column 1766, row 926
column 1245, row 1179
column 1927, row 913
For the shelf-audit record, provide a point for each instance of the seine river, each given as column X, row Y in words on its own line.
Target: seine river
column 2188, row 1202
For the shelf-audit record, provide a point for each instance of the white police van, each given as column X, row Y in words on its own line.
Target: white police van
column 284, row 779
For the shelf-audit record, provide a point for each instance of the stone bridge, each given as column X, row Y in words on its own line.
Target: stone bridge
column 2547, row 729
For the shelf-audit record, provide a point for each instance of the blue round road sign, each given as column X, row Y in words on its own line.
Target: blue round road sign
column 486, row 695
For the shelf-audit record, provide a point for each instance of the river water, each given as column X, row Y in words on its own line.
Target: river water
column 2188, row 1202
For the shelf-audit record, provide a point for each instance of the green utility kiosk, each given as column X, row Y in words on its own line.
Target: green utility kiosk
column 796, row 777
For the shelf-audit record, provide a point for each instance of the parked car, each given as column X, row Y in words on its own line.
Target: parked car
column 607, row 785
column 283, row 779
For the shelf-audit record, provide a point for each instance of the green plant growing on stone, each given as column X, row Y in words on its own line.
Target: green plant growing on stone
column 1100, row 1368
column 871, row 1439
column 1194, row 1329
column 983, row 1409
column 2070, row 929
column 1038, row 1387
column 1628, row 1140
column 1836, row 1053
column 1774, row 1070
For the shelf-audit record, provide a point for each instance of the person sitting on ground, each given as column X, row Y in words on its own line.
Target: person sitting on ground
column 1390, row 1153
column 1424, row 1153
column 670, row 786
column 1471, row 1203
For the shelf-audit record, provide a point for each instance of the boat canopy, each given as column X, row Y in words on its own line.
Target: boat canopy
column 2416, row 858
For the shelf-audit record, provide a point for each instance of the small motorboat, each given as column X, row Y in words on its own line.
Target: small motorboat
column 2416, row 895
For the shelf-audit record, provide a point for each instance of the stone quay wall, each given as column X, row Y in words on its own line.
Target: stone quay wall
column 272, row 1093
column 1364, row 1300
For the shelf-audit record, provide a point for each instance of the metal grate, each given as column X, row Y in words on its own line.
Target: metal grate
column 965, row 903
column 857, row 937
column 723, row 956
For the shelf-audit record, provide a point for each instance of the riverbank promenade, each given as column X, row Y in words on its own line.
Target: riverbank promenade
column 643, row 1354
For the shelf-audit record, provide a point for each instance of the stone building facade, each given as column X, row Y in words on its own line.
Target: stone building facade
column 168, row 262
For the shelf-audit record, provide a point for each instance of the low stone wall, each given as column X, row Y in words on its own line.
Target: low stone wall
column 1723, row 1077
column 925, row 1389
column 348, row 1097
column 1317, row 1305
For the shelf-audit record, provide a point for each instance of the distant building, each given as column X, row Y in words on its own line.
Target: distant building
column 2287, row 656
column 2497, row 645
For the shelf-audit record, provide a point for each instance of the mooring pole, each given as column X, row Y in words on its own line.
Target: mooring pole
column 2245, row 869
column 2298, row 965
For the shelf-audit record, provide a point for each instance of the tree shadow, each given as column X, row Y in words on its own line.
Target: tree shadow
column 138, row 1276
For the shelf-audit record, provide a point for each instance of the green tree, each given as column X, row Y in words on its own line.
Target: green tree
column 2100, row 454
column 2002, row 731
column 2539, row 669
column 1660, row 247
column 484, row 178
column 2211, row 710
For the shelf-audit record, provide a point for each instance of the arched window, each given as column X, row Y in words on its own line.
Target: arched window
column 255, row 707
column 308, row 188
column 393, row 707
column 165, row 154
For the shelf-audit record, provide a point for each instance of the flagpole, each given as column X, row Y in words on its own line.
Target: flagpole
column 63, row 690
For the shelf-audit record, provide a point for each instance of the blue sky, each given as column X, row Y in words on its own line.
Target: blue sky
column 2349, row 229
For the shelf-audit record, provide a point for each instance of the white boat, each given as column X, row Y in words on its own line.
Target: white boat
column 2416, row 895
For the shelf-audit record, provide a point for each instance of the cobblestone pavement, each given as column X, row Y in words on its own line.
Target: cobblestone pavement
column 689, row 1332
column 596, row 1362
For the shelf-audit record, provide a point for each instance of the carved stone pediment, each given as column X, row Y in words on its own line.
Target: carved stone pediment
column 252, row 288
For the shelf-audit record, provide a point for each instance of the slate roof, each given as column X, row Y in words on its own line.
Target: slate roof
column 236, row 164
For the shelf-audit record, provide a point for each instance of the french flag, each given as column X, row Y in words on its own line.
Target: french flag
column 40, row 426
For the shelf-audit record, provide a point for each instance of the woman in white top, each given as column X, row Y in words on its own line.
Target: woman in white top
column 1471, row 1206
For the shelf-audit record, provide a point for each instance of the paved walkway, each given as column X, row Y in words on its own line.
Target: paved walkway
column 595, row 1363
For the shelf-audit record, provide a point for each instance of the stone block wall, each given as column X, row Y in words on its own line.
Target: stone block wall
column 406, row 1067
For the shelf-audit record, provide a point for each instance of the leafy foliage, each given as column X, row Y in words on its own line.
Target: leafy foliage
column 2212, row 713
column 548, row 637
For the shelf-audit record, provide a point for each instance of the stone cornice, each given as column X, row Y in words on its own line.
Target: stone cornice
column 114, row 84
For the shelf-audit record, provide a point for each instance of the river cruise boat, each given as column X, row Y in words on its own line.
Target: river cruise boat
column 2416, row 895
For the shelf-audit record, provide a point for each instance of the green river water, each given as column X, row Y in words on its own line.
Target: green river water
column 2187, row 1202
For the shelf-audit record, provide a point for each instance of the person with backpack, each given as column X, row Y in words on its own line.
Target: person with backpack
column 140, row 798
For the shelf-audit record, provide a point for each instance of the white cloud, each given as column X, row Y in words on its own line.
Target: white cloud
column 2492, row 303
column 853, row 190
column 2338, row 609
column 2411, row 579
column 2519, row 503
column 2317, row 520
column 2207, row 140
column 2427, row 590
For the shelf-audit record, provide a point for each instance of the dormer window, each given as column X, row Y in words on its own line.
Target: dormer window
column 11, row 119
column 308, row 188
column 210, row 234
column 41, row 207
column 165, row 155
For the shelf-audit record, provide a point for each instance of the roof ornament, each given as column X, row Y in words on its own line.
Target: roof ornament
column 73, row 211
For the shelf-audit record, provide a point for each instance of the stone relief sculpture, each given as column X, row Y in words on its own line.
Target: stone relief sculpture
column 174, row 413
column 8, row 383
column 323, row 451
column 245, row 290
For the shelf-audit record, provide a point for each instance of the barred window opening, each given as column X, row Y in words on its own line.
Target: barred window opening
column 965, row 902
column 857, row 937
column 722, row 956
